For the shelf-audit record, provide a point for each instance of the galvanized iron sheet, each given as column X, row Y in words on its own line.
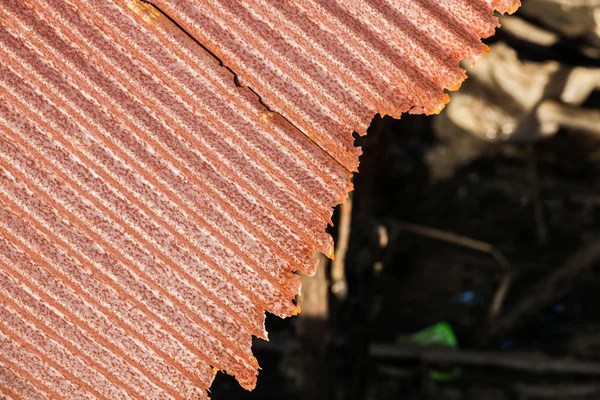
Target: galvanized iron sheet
column 151, row 211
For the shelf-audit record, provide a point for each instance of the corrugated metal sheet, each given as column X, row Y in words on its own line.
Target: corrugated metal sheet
column 330, row 65
column 150, row 210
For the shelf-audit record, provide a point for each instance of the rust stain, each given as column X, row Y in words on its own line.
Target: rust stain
column 151, row 211
column 147, row 12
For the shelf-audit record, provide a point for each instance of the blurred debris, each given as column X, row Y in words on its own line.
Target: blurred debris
column 453, row 238
column 550, row 287
column 497, row 102
column 439, row 334
column 314, row 296
column 473, row 244
column 538, row 200
column 554, row 115
column 572, row 18
column 468, row 297
column 524, row 30
column 562, row 392
column 314, row 332
column 500, row 101
column 528, row 362
column 508, row 99
column 339, row 286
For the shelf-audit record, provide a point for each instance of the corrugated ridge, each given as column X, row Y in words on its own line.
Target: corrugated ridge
column 85, row 308
column 22, row 340
column 215, row 233
column 130, row 322
column 102, row 330
column 277, row 216
column 54, row 348
column 23, row 361
column 150, row 210
column 104, row 210
column 318, row 63
column 188, row 117
column 18, row 384
column 200, row 340
column 128, row 274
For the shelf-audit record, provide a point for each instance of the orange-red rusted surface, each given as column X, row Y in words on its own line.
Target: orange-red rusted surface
column 150, row 210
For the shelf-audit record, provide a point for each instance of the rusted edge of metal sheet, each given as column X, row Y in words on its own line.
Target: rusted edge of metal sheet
column 329, row 67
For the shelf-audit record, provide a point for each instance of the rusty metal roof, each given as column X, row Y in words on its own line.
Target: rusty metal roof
column 151, row 210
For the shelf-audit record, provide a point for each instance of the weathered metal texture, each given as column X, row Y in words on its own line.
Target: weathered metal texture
column 150, row 210
column 330, row 65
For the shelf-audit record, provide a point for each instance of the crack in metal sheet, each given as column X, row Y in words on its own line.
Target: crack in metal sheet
column 330, row 66
column 235, row 75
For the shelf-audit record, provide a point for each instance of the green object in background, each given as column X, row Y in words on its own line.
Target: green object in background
column 440, row 334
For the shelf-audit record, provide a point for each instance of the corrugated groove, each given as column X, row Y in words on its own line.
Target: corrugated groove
column 131, row 325
column 229, row 246
column 17, row 384
column 160, row 373
column 89, row 178
column 52, row 346
column 131, row 279
column 66, row 383
column 61, row 294
column 150, row 210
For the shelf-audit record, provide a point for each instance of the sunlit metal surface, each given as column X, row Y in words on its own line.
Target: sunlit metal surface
column 151, row 211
